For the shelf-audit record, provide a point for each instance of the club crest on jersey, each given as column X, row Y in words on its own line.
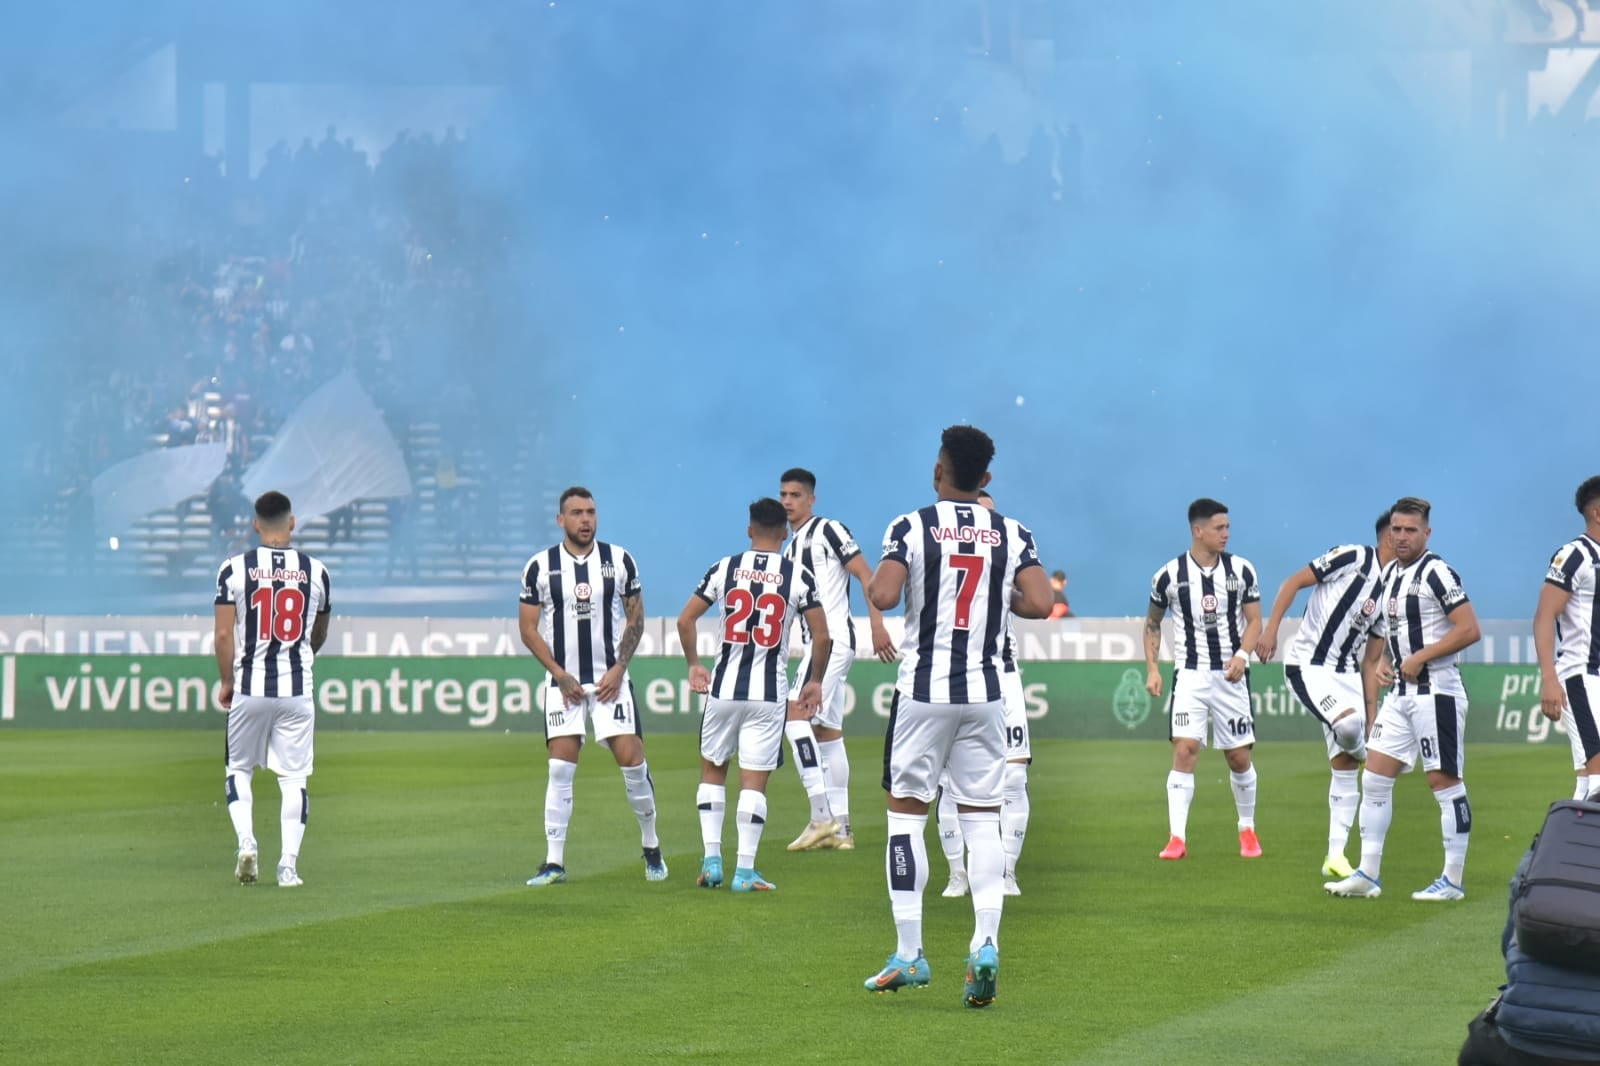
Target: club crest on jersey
column 1233, row 584
column 607, row 571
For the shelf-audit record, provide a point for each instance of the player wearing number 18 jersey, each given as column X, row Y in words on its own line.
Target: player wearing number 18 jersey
column 1215, row 600
column 762, row 593
column 959, row 566
column 272, row 615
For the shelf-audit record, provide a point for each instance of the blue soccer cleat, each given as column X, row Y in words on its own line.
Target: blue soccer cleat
column 549, row 874
column 900, row 973
column 751, row 881
column 710, row 872
column 983, row 974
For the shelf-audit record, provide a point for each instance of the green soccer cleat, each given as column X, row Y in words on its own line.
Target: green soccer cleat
column 900, row 973
column 710, row 872
column 983, row 974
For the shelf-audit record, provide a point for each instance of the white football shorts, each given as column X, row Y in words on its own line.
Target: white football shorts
column 1017, row 743
column 965, row 740
column 1200, row 697
column 271, row 731
column 747, row 728
column 614, row 719
column 1432, row 725
column 1326, row 693
column 835, row 692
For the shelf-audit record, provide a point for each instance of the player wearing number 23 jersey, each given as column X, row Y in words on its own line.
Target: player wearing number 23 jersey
column 762, row 593
column 272, row 609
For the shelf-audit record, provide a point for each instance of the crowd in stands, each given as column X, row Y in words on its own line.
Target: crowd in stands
column 209, row 317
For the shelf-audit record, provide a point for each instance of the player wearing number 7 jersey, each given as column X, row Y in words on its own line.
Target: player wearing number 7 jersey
column 761, row 593
column 1215, row 600
column 959, row 566
column 265, row 598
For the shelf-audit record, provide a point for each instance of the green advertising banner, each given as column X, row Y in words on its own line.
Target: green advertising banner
column 1065, row 699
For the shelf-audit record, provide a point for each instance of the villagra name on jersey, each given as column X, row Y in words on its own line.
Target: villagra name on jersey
column 966, row 534
column 258, row 573
column 760, row 577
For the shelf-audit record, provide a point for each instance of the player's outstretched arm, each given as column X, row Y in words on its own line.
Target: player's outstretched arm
column 1552, row 601
column 222, row 637
column 1152, row 649
column 882, row 643
column 689, row 637
column 1267, row 643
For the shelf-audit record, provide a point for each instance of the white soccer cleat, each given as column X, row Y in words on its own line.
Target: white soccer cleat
column 1357, row 886
column 245, row 869
column 1443, row 890
column 958, row 885
column 287, row 878
column 815, row 835
column 1010, row 886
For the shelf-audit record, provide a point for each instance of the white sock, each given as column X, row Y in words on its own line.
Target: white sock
column 1455, row 821
column 713, row 803
column 986, row 864
column 1377, row 810
column 1244, row 796
column 1180, row 793
column 1014, row 815
column 808, row 761
column 558, row 810
column 1344, row 800
column 1581, row 792
column 906, row 865
column 241, row 808
column 751, row 819
column 642, row 798
column 295, row 809
column 836, row 769
column 950, row 833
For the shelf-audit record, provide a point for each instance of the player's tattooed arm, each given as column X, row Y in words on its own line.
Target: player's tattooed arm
column 1152, row 648
column 633, row 629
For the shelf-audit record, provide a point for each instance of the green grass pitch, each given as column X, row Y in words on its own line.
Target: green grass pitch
column 125, row 940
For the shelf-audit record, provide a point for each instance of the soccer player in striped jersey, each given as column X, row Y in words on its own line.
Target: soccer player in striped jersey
column 1426, row 620
column 272, row 611
column 1323, row 667
column 761, row 593
column 959, row 566
column 581, row 616
column 1019, row 754
column 1215, row 600
column 1566, row 635
column 828, row 551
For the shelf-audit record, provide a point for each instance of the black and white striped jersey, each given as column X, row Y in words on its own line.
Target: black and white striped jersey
column 1417, row 601
column 277, row 593
column 1342, row 609
column 961, row 561
column 762, row 593
column 1575, row 569
column 824, row 547
column 583, row 613
column 1207, row 606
